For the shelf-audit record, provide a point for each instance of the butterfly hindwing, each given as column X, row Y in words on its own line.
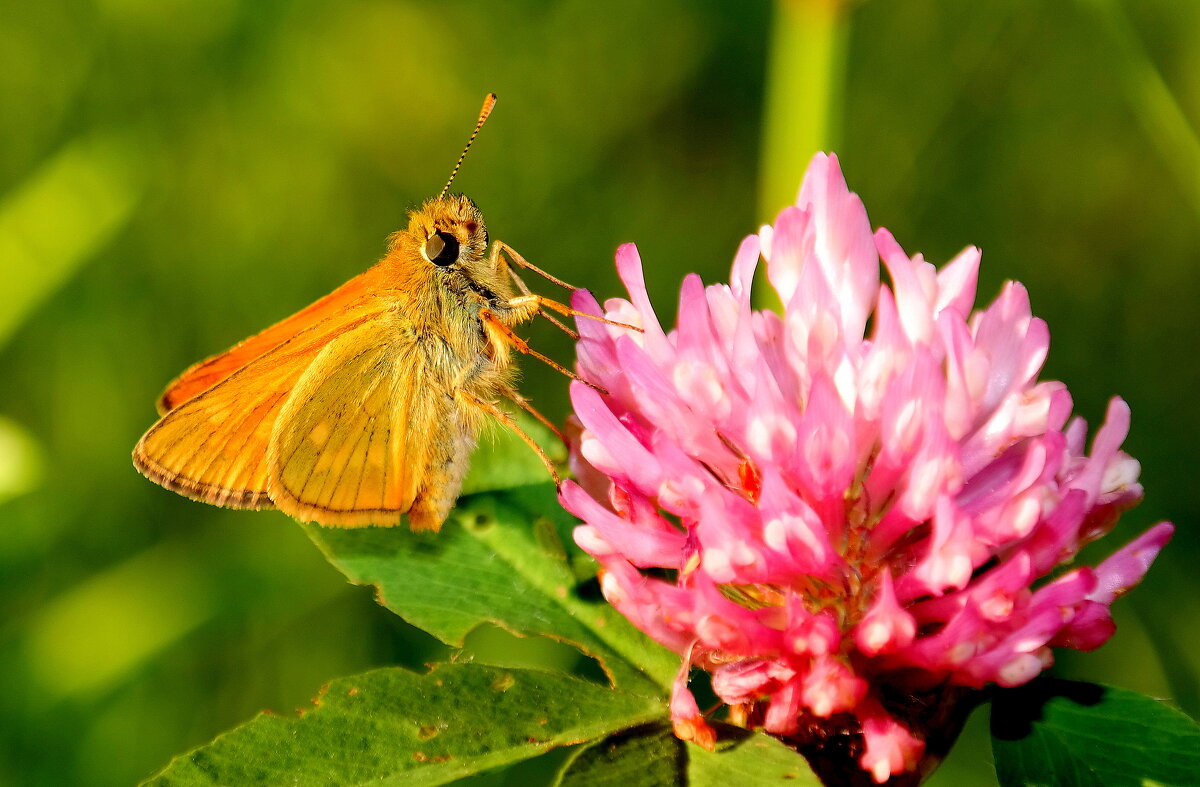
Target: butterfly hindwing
column 353, row 443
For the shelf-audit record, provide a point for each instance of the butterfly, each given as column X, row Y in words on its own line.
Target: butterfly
column 365, row 406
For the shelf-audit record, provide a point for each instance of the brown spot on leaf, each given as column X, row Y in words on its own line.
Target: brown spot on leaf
column 353, row 691
column 420, row 756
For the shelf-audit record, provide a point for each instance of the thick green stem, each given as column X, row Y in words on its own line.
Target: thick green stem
column 805, row 79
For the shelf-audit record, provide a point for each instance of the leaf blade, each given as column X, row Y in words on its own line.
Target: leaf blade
column 392, row 727
column 1069, row 733
column 647, row 756
column 750, row 758
column 651, row 756
column 488, row 566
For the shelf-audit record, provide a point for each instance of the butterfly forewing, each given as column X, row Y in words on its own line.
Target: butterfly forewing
column 325, row 317
column 213, row 446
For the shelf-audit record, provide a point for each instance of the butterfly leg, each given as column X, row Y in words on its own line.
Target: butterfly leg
column 497, row 256
column 491, row 409
column 549, row 317
column 501, row 334
column 528, row 407
column 500, row 246
column 531, row 304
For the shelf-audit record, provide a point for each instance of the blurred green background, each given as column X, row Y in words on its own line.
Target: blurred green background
column 175, row 175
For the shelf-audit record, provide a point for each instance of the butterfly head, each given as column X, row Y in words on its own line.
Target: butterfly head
column 446, row 245
column 446, row 232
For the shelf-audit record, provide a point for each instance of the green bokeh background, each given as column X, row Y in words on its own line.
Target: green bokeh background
column 175, row 175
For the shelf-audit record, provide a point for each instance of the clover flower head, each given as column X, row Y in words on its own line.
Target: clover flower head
column 847, row 510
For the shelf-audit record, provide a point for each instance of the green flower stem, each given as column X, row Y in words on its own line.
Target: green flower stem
column 805, row 82
column 806, row 73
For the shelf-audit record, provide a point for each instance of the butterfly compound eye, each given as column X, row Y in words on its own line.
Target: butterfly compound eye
column 441, row 248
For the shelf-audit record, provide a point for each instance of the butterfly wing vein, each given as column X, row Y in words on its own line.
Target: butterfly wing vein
column 352, row 444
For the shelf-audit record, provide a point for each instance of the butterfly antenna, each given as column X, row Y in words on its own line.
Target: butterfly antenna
column 488, row 103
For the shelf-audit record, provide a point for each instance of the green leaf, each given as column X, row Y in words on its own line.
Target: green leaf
column 394, row 727
column 1055, row 732
column 651, row 756
column 502, row 559
column 743, row 757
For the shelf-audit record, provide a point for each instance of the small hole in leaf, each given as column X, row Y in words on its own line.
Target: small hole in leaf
column 478, row 522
